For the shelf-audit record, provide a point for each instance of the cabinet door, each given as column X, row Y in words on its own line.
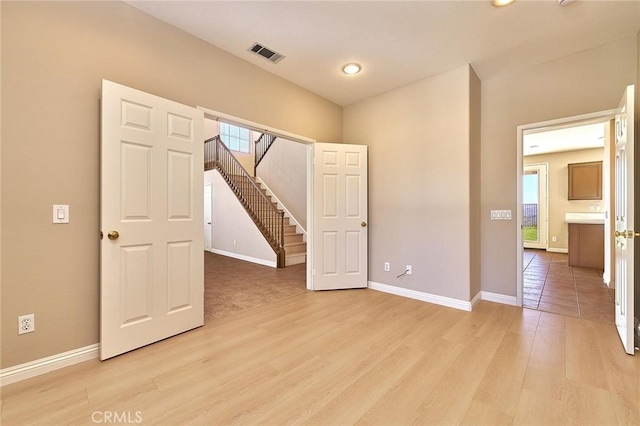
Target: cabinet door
column 585, row 181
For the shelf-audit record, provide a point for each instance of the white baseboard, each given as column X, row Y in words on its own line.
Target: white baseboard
column 498, row 298
column 444, row 301
column 45, row 365
column 557, row 250
column 419, row 295
column 476, row 299
column 264, row 262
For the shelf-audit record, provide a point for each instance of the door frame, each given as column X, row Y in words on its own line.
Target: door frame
column 543, row 210
column 210, row 224
column 558, row 123
column 252, row 125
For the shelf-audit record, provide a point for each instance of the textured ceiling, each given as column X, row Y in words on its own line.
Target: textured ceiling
column 397, row 42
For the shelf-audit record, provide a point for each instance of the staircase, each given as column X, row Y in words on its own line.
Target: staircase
column 294, row 245
column 281, row 235
column 262, row 145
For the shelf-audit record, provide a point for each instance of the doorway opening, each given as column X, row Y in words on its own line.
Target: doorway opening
column 546, row 279
column 240, row 264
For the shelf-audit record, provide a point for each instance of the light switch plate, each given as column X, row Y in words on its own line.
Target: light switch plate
column 61, row 213
column 500, row 214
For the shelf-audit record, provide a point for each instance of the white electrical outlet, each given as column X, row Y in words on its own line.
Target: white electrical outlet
column 554, row 239
column 387, row 267
column 409, row 270
column 26, row 323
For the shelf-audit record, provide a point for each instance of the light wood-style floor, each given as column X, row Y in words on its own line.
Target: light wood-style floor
column 353, row 357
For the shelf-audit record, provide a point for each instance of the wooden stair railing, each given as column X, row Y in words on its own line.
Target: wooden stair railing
column 262, row 145
column 267, row 217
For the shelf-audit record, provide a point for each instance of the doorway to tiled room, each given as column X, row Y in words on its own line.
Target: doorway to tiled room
column 551, row 285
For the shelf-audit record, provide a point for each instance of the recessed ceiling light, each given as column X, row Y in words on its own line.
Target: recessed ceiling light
column 500, row 3
column 351, row 69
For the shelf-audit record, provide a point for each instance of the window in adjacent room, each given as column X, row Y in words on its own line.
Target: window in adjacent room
column 236, row 138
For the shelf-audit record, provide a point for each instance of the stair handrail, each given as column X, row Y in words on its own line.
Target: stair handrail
column 268, row 218
column 262, row 145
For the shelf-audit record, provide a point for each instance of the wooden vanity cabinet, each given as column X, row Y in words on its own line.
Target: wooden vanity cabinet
column 585, row 181
column 586, row 245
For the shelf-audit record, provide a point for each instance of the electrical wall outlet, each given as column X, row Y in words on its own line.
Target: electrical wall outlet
column 387, row 267
column 554, row 239
column 409, row 270
column 26, row 323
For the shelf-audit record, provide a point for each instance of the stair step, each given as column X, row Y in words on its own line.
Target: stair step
column 292, row 237
column 295, row 248
column 295, row 259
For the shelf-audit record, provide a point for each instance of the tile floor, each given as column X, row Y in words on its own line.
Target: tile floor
column 551, row 285
column 233, row 285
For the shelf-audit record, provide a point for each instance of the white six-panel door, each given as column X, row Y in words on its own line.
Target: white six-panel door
column 340, row 217
column 152, row 272
column 624, row 217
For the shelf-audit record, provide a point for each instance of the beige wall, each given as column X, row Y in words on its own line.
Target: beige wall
column 558, row 181
column 233, row 232
column 284, row 170
column 589, row 81
column 419, row 182
column 54, row 55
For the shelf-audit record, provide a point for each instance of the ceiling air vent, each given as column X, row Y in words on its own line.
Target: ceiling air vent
column 265, row 52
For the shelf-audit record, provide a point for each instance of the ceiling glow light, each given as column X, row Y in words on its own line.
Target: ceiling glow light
column 351, row 69
column 500, row 3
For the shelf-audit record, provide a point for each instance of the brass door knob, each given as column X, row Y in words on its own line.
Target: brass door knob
column 113, row 235
column 627, row 234
column 363, row 224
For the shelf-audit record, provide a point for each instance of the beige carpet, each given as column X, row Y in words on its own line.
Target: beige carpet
column 233, row 285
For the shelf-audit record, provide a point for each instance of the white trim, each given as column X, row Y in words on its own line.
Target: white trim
column 606, row 279
column 543, row 203
column 477, row 298
column 282, row 206
column 499, row 298
column 259, row 261
column 419, row 295
column 216, row 115
column 557, row 250
column 311, row 200
column 45, row 365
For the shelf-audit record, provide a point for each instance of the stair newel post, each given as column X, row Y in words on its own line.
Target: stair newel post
column 281, row 252
column 281, row 213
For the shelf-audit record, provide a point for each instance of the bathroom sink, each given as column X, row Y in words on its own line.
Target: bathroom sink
column 586, row 217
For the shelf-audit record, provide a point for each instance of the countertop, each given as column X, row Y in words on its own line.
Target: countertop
column 594, row 218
